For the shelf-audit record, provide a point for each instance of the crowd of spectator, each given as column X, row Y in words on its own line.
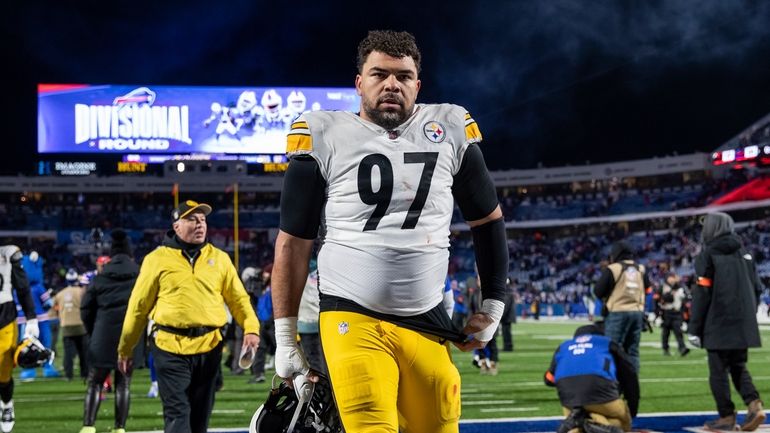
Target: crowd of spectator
column 547, row 272
column 143, row 211
column 614, row 197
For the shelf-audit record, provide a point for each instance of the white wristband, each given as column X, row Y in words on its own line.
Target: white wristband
column 286, row 331
column 495, row 309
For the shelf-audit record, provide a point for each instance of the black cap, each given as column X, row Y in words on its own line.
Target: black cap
column 187, row 207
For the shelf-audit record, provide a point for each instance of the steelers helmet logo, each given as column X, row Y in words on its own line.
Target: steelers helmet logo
column 434, row 131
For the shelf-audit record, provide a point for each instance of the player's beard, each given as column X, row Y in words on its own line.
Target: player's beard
column 388, row 119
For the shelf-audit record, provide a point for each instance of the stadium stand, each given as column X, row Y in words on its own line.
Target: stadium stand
column 560, row 220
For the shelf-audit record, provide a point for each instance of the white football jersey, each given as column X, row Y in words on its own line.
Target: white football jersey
column 385, row 222
column 6, row 252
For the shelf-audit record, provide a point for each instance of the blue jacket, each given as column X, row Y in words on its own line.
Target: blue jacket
column 585, row 354
column 265, row 306
column 592, row 369
column 42, row 300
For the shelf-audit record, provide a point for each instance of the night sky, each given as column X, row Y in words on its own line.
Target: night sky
column 550, row 82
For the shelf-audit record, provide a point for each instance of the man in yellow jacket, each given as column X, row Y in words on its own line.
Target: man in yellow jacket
column 183, row 287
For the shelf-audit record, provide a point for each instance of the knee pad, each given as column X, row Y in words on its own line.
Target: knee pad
column 448, row 396
column 353, row 384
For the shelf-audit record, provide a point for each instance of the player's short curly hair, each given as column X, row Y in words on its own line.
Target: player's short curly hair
column 394, row 44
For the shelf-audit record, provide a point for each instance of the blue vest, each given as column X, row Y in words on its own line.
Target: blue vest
column 585, row 355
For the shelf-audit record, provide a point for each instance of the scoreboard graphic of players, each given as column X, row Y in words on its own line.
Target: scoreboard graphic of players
column 120, row 119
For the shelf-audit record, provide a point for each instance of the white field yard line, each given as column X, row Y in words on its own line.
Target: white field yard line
column 513, row 384
column 489, row 420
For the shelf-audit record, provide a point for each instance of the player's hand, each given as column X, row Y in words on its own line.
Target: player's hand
column 31, row 329
column 125, row 365
column 289, row 359
column 303, row 385
column 481, row 327
column 477, row 323
column 695, row 341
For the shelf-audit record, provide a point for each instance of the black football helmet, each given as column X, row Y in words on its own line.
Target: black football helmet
column 32, row 354
column 308, row 408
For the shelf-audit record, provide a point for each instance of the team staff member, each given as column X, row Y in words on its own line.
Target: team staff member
column 672, row 297
column 13, row 277
column 623, row 286
column 724, row 319
column 591, row 373
column 382, row 183
column 183, row 287
column 67, row 305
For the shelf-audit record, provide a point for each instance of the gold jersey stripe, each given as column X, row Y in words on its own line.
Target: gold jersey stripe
column 472, row 132
column 299, row 142
column 298, row 125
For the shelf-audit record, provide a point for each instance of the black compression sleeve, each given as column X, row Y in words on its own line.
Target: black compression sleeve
column 302, row 198
column 491, row 248
column 472, row 186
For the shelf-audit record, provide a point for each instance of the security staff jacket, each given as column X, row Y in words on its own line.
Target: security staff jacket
column 181, row 294
column 592, row 369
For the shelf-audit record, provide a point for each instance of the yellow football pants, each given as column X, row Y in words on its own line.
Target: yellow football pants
column 387, row 378
column 8, row 336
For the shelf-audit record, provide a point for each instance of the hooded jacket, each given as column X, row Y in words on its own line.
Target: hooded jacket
column 103, row 309
column 727, row 292
column 178, row 292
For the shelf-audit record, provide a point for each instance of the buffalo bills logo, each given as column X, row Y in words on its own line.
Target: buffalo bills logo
column 141, row 95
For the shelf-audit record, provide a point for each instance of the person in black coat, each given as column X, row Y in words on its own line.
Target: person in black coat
column 724, row 320
column 597, row 383
column 102, row 309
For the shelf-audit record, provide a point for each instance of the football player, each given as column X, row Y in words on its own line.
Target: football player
column 273, row 116
column 382, row 183
column 12, row 276
column 226, row 117
column 295, row 104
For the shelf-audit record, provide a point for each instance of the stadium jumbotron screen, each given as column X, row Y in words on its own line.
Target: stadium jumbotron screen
column 120, row 119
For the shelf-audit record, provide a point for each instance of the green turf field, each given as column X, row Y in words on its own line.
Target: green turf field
column 668, row 384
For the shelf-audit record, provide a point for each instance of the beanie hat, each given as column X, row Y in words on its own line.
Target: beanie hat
column 121, row 244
